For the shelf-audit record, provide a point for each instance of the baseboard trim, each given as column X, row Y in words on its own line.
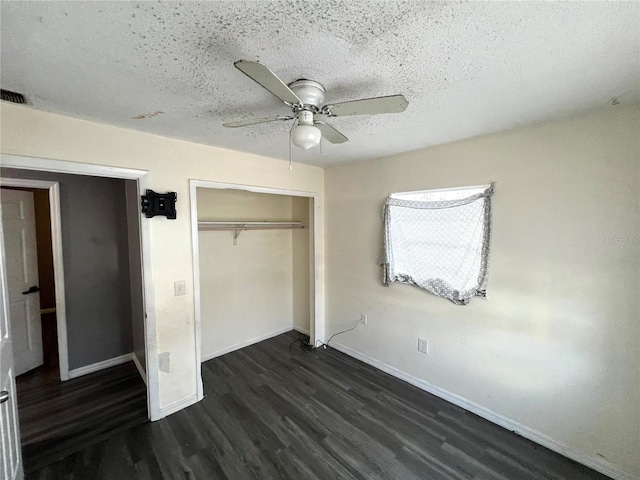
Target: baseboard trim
column 568, row 451
column 138, row 365
column 177, row 406
column 95, row 367
column 246, row 343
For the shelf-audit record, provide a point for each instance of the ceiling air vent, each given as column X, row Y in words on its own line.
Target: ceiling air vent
column 12, row 96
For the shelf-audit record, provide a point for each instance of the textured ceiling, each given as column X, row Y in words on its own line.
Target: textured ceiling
column 465, row 68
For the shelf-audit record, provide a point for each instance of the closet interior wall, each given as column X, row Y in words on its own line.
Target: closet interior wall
column 258, row 287
column 301, row 252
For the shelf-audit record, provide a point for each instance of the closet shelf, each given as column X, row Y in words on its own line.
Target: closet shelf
column 237, row 227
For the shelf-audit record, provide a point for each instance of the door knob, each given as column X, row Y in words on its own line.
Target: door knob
column 4, row 396
column 33, row 289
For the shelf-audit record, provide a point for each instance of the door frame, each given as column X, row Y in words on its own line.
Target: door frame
column 58, row 266
column 316, row 292
column 142, row 179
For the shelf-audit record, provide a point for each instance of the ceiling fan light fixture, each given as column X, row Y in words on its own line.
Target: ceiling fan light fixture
column 306, row 136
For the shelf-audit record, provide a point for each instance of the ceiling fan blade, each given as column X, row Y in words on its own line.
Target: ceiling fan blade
column 369, row 106
column 330, row 133
column 265, row 77
column 255, row 121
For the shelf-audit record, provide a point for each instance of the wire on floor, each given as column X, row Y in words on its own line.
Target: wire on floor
column 305, row 346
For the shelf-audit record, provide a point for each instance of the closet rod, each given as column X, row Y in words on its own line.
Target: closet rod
column 248, row 225
column 238, row 227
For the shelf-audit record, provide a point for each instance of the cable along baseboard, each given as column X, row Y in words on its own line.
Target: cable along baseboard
column 237, row 227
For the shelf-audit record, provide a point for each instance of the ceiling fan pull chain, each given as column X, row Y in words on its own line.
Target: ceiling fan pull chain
column 295, row 120
column 290, row 165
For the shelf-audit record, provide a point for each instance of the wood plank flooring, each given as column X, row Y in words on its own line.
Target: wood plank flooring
column 61, row 418
column 271, row 413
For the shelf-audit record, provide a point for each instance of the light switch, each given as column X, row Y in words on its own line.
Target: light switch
column 179, row 288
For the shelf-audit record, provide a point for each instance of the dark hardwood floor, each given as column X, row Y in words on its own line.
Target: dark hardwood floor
column 271, row 413
column 60, row 418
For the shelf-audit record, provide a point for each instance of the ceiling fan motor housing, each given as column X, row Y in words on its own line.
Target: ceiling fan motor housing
column 310, row 93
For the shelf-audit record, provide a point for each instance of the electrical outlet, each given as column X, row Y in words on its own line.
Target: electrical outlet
column 423, row 346
column 179, row 288
column 363, row 318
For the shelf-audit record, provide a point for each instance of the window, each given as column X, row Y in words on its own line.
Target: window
column 439, row 240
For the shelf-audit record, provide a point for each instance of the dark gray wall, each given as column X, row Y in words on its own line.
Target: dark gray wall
column 135, row 271
column 96, row 264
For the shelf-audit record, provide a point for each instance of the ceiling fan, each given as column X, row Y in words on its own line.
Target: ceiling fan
column 306, row 99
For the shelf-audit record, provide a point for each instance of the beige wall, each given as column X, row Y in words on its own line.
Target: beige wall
column 556, row 344
column 302, row 314
column 170, row 163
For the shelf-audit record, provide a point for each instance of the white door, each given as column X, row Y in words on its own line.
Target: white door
column 19, row 226
column 10, row 460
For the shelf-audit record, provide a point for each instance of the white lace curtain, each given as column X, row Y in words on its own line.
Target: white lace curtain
column 439, row 241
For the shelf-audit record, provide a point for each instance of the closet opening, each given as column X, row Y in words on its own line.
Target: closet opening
column 254, row 265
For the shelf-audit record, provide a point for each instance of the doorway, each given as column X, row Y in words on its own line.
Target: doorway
column 83, row 377
column 58, row 415
column 31, row 215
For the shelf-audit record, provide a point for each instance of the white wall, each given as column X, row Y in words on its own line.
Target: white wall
column 170, row 163
column 556, row 345
column 246, row 290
